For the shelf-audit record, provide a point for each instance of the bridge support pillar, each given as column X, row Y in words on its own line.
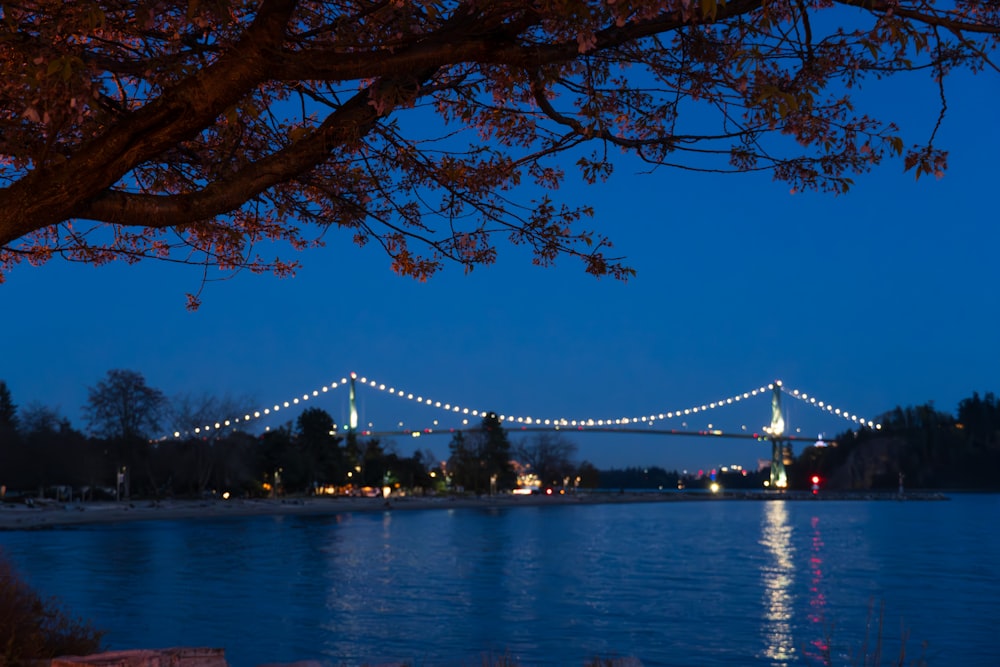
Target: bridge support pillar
column 352, row 423
column 779, row 479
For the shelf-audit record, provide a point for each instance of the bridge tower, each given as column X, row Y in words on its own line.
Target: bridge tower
column 779, row 479
column 352, row 423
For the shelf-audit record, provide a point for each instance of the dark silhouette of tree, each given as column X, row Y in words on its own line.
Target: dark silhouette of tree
column 317, row 438
column 480, row 459
column 463, row 464
column 123, row 409
column 51, row 453
column 191, row 415
column 590, row 476
column 210, row 128
column 283, row 466
column 633, row 477
column 10, row 439
column 123, row 406
column 549, row 455
column 8, row 411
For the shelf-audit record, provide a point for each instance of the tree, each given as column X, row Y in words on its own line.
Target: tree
column 317, row 437
column 480, row 459
column 196, row 132
column 122, row 406
column 191, row 414
column 8, row 411
column 123, row 409
column 549, row 456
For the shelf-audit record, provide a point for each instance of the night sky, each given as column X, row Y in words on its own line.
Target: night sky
column 885, row 296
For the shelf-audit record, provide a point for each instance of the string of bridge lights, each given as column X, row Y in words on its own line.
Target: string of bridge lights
column 234, row 422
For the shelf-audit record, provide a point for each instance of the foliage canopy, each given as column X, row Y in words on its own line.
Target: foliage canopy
column 201, row 131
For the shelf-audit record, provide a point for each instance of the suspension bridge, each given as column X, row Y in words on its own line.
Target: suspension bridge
column 651, row 424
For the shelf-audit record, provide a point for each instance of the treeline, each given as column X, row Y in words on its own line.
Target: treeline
column 929, row 448
column 41, row 453
column 121, row 456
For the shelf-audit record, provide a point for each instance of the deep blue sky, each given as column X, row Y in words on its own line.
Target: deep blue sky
column 886, row 296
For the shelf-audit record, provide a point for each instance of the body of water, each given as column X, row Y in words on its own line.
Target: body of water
column 714, row 583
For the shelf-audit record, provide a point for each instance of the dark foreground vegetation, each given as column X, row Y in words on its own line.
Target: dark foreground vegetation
column 33, row 628
column 43, row 454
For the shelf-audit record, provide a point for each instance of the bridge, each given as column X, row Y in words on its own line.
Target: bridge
column 649, row 424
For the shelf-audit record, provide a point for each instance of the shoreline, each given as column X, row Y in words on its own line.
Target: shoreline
column 51, row 514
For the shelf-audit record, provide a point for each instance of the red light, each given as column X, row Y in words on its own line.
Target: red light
column 815, row 479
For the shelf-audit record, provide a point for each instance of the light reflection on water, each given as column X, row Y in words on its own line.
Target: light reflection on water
column 778, row 577
column 819, row 648
column 718, row 584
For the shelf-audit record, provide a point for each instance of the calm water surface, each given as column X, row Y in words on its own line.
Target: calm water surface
column 688, row 583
